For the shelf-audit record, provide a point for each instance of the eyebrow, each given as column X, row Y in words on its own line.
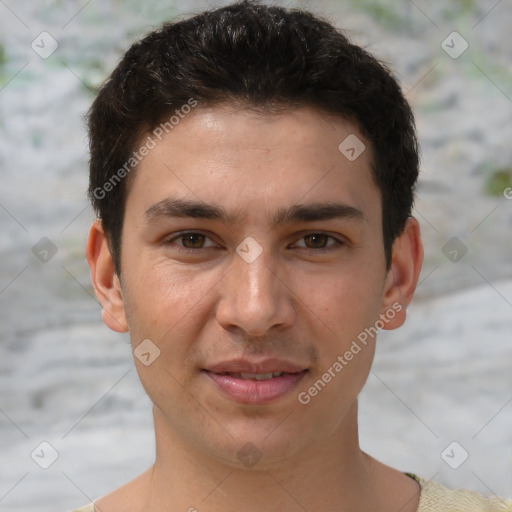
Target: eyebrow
column 183, row 208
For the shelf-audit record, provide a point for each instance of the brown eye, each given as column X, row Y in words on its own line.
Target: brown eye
column 193, row 240
column 319, row 242
column 316, row 240
column 190, row 241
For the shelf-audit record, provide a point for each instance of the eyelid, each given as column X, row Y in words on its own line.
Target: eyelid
column 181, row 234
column 338, row 241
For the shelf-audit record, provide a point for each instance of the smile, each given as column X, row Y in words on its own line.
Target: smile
column 255, row 376
column 255, row 388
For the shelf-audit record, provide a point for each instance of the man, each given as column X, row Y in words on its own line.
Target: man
column 253, row 173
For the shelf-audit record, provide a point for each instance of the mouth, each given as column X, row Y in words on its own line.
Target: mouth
column 253, row 376
column 255, row 387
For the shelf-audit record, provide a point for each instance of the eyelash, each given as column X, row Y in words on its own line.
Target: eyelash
column 338, row 243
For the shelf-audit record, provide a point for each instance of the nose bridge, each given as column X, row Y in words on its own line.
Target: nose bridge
column 259, row 280
column 254, row 299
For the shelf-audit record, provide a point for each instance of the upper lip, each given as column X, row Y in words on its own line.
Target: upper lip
column 252, row 366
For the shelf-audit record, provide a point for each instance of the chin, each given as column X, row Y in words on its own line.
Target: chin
column 259, row 443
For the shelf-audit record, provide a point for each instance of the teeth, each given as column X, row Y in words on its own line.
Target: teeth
column 260, row 376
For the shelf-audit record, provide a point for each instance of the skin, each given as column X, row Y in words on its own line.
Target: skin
column 293, row 302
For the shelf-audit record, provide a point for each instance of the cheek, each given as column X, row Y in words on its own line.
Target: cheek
column 346, row 310
column 163, row 293
column 167, row 309
column 344, row 302
column 170, row 307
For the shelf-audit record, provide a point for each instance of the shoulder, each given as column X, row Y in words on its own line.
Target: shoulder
column 87, row 508
column 435, row 496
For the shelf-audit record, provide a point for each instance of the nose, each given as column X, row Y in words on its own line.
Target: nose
column 256, row 297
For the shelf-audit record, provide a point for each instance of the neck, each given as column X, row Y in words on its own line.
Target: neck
column 328, row 474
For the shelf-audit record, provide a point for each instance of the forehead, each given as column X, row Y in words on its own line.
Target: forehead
column 249, row 160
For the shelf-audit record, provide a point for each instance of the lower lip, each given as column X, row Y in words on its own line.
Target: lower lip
column 256, row 392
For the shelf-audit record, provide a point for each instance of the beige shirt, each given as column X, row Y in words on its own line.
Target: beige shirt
column 435, row 497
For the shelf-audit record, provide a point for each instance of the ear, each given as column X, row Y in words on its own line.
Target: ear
column 402, row 277
column 104, row 279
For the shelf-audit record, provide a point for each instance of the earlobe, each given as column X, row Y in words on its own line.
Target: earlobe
column 105, row 280
column 403, row 275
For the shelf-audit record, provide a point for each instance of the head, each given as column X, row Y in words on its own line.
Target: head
column 238, row 237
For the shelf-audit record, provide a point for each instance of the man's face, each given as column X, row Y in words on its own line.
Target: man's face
column 282, row 284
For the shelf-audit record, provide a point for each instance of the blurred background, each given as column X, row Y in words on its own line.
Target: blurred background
column 439, row 399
